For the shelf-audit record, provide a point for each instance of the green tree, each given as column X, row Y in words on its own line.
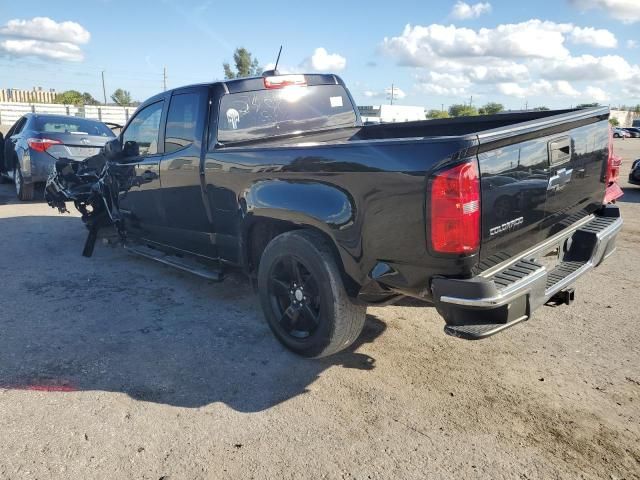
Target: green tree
column 121, row 97
column 437, row 114
column 588, row 105
column 88, row 99
column 491, row 108
column 614, row 122
column 74, row 97
column 246, row 65
column 542, row 108
column 462, row 110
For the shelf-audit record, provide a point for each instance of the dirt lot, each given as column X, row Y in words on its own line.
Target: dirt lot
column 115, row 367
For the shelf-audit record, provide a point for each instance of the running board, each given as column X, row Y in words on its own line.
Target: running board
column 480, row 330
column 182, row 263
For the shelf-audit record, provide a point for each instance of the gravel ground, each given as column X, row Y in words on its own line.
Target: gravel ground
column 115, row 367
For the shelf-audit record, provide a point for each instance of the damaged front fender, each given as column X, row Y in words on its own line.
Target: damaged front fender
column 95, row 186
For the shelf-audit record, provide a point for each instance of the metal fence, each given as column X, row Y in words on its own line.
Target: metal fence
column 10, row 112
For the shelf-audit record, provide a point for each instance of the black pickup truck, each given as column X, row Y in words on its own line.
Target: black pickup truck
column 487, row 217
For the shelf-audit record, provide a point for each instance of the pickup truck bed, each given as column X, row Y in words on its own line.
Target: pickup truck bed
column 486, row 217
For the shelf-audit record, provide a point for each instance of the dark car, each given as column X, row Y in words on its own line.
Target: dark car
column 34, row 143
column 277, row 176
column 634, row 174
column 633, row 131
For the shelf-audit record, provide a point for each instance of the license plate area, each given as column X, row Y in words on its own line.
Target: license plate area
column 549, row 258
column 552, row 256
column 83, row 151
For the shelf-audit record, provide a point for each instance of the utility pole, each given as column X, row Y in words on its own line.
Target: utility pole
column 392, row 94
column 471, row 101
column 104, row 90
column 442, row 109
column 164, row 78
column 526, row 104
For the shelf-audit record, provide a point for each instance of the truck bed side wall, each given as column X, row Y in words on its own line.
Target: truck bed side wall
column 369, row 197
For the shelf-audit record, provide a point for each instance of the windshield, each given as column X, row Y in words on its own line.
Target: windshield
column 72, row 125
column 265, row 113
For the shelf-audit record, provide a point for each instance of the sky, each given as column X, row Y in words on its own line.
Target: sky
column 555, row 53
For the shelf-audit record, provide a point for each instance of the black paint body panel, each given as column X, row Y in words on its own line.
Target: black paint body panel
column 366, row 189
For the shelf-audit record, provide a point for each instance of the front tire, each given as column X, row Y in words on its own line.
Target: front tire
column 303, row 296
column 24, row 191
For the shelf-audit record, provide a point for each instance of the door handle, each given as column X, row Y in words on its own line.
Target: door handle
column 560, row 150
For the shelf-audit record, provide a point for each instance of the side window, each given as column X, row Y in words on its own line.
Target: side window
column 183, row 121
column 144, row 129
column 17, row 128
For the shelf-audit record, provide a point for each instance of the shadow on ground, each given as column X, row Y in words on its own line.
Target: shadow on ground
column 118, row 323
column 8, row 193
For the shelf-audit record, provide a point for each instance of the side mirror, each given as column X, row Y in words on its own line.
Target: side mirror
column 113, row 149
column 131, row 149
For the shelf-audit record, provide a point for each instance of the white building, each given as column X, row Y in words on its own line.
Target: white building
column 390, row 113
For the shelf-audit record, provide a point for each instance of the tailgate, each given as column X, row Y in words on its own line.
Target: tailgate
column 538, row 179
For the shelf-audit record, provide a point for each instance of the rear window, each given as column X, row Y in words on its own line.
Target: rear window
column 72, row 125
column 266, row 113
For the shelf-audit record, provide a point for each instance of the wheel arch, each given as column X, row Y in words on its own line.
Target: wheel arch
column 260, row 230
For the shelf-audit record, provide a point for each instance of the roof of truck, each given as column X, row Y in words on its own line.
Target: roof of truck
column 249, row 84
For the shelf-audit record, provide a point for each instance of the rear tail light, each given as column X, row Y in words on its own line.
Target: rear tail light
column 42, row 144
column 455, row 210
column 281, row 81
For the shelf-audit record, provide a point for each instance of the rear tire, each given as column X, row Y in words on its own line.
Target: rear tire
column 303, row 296
column 24, row 191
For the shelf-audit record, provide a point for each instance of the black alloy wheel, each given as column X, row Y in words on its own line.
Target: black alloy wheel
column 303, row 296
column 295, row 297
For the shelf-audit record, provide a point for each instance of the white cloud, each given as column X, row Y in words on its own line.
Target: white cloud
column 498, row 71
column 558, row 88
column 441, row 90
column 594, row 37
column 588, row 68
column 627, row 11
column 537, row 88
column 463, row 11
column 565, row 89
column 422, row 45
column 446, row 84
column 48, row 50
column 323, row 61
column 632, row 44
column 45, row 38
column 596, row 93
column 527, row 59
column 44, row 28
column 632, row 89
column 398, row 93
